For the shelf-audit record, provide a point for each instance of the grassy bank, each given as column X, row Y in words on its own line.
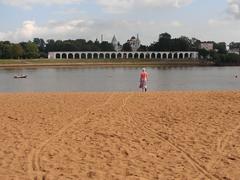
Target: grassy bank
column 102, row 62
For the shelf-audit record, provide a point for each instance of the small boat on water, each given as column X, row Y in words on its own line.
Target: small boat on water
column 20, row 76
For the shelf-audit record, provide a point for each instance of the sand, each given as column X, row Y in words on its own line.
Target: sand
column 160, row 135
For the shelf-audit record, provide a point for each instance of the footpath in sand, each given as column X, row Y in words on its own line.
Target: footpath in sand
column 165, row 135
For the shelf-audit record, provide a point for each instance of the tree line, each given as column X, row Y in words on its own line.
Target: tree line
column 38, row 48
column 23, row 50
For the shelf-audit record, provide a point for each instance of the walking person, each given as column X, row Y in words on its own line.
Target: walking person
column 143, row 80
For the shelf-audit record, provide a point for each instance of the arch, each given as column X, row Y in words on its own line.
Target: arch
column 107, row 56
column 76, row 56
column 170, row 56
column 89, row 56
column 175, row 55
column 130, row 55
column 136, row 56
column 153, row 55
column 70, row 56
column 95, row 56
column 64, row 56
column 113, row 56
column 181, row 56
column 147, row 56
column 101, row 56
column 119, row 55
column 83, row 56
column 58, row 56
column 164, row 56
column 191, row 55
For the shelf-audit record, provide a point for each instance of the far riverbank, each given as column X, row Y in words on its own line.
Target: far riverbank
column 96, row 62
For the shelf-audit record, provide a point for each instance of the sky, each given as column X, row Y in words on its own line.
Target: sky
column 207, row 20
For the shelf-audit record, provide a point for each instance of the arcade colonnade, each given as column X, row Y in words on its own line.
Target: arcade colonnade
column 123, row 55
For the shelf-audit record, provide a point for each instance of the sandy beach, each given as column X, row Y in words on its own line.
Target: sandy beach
column 160, row 135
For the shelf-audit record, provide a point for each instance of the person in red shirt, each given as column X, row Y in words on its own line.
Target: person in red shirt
column 143, row 80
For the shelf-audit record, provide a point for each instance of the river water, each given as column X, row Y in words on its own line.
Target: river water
column 119, row 79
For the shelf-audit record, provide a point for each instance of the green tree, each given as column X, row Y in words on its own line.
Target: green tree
column 234, row 45
column 126, row 47
column 5, row 49
column 17, row 51
column 163, row 44
column 31, row 50
column 185, row 43
column 40, row 43
column 203, row 53
column 164, row 36
column 106, row 46
column 221, row 47
column 97, row 45
column 196, row 43
column 143, row 48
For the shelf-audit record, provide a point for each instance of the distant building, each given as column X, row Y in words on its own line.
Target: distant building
column 135, row 43
column 207, row 45
column 234, row 48
column 116, row 44
column 234, row 51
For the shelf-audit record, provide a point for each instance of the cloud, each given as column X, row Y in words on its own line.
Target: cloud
column 69, row 12
column 176, row 24
column 234, row 8
column 120, row 6
column 91, row 29
column 29, row 3
column 218, row 22
column 26, row 32
column 53, row 29
column 220, row 29
column 112, row 6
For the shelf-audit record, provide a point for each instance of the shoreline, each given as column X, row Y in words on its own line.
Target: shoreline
column 175, row 92
column 94, row 63
column 119, row 92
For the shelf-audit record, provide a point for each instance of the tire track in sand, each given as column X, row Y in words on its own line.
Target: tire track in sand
column 184, row 153
column 221, row 144
column 34, row 169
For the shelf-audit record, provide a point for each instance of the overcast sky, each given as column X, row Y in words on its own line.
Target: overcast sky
column 22, row 20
